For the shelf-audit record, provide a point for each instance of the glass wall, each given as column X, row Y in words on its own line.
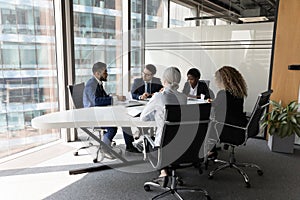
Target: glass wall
column 153, row 19
column 28, row 83
column 98, row 37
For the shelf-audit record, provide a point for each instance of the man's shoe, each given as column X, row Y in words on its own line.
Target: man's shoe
column 162, row 181
column 109, row 156
column 132, row 150
column 138, row 144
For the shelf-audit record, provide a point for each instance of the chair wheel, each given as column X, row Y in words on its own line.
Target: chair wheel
column 207, row 197
column 95, row 160
column 200, row 171
column 248, row 185
column 75, row 153
column 260, row 172
column 180, row 182
column 147, row 188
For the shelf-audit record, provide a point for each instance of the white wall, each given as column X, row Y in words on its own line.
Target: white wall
column 244, row 46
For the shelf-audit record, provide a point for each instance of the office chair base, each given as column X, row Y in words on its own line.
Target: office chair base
column 236, row 166
column 173, row 189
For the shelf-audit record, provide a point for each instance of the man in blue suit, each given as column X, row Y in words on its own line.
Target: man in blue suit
column 145, row 87
column 142, row 88
column 95, row 95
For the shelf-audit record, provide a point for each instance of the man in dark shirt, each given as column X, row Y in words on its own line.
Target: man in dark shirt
column 145, row 87
column 95, row 95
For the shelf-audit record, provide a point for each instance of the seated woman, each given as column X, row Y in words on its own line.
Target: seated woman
column 194, row 87
column 155, row 111
column 229, row 103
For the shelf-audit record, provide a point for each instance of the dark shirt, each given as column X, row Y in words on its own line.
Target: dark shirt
column 138, row 87
column 95, row 95
column 201, row 89
column 229, row 109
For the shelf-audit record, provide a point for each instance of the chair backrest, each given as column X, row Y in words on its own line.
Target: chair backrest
column 183, row 134
column 257, row 113
column 76, row 92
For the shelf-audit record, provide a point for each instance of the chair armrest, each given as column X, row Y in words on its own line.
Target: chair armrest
column 231, row 125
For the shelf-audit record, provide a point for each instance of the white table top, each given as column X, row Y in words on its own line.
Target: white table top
column 89, row 117
column 94, row 117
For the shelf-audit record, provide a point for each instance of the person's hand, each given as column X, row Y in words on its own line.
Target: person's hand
column 209, row 100
column 145, row 96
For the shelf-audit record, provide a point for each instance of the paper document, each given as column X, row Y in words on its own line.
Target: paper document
column 134, row 111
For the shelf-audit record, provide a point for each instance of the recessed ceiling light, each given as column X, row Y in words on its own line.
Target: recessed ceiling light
column 253, row 19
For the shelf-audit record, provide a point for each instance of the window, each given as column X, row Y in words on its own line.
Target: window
column 178, row 12
column 97, row 29
column 28, row 78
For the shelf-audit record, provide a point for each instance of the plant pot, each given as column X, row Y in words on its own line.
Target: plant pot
column 282, row 145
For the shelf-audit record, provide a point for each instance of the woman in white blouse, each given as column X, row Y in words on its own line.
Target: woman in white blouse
column 155, row 108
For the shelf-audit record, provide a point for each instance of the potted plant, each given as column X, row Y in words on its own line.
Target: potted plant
column 282, row 123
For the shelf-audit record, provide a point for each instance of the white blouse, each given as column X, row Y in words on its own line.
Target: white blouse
column 155, row 109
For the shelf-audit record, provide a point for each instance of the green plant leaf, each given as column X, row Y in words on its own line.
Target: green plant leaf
column 293, row 119
column 297, row 130
column 282, row 121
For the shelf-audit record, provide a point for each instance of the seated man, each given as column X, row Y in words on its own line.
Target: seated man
column 142, row 88
column 145, row 87
column 95, row 95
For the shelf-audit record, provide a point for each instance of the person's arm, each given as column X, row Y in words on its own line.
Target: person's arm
column 186, row 89
column 101, row 98
column 135, row 90
column 103, row 101
column 203, row 89
column 148, row 113
column 89, row 95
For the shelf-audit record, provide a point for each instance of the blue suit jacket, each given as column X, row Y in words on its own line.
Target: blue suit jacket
column 94, row 95
column 138, row 87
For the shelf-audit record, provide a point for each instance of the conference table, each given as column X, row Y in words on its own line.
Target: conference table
column 109, row 116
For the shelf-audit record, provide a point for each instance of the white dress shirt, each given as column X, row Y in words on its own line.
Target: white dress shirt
column 155, row 109
column 193, row 91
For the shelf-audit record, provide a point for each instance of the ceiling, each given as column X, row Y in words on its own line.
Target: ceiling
column 232, row 10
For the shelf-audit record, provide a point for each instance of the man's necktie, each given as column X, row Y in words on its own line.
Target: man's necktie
column 148, row 88
column 102, row 90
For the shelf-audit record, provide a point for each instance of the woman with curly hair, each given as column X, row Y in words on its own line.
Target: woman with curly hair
column 229, row 104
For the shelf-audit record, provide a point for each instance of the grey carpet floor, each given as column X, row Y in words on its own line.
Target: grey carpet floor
column 280, row 180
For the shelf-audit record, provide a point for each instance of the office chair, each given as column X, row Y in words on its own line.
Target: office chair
column 211, row 93
column 183, row 134
column 249, row 131
column 76, row 92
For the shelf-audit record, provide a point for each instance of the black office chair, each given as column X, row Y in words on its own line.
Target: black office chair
column 240, row 138
column 211, row 93
column 183, row 134
column 76, row 92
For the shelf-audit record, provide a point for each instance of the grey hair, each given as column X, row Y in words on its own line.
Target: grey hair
column 172, row 76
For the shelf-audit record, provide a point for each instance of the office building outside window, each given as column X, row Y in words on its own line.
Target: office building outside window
column 178, row 12
column 98, row 37
column 28, row 83
column 154, row 14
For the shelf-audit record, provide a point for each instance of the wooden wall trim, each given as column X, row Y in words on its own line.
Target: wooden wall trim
column 285, row 83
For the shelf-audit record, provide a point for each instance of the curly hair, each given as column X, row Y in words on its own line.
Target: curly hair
column 194, row 72
column 232, row 80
